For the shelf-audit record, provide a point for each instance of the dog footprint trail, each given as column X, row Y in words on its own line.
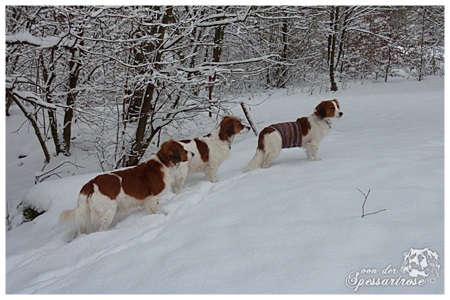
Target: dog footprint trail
column 135, row 230
column 190, row 196
column 170, row 208
column 187, row 198
column 57, row 260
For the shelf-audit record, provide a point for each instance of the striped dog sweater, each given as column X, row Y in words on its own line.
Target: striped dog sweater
column 290, row 132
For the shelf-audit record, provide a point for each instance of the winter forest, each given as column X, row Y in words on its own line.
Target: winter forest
column 140, row 71
column 91, row 89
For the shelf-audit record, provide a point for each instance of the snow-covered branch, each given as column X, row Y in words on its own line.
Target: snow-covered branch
column 42, row 42
column 138, row 70
column 32, row 98
column 221, row 19
column 41, row 176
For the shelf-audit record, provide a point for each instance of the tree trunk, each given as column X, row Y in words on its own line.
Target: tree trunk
column 35, row 127
column 140, row 143
column 49, row 76
column 135, row 153
column 334, row 13
column 74, row 67
column 283, row 69
column 347, row 13
column 217, row 52
column 422, row 34
column 388, row 65
column 9, row 102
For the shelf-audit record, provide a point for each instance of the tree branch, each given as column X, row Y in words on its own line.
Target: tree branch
column 364, row 204
column 249, row 118
column 33, row 123
column 39, row 175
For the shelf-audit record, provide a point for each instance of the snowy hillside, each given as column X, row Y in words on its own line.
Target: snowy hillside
column 295, row 227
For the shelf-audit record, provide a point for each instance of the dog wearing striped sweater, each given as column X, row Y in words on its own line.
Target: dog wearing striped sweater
column 306, row 132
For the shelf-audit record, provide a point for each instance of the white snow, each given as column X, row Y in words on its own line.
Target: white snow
column 294, row 228
column 32, row 98
column 44, row 42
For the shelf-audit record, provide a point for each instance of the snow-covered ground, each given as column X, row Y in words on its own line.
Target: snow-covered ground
column 295, row 227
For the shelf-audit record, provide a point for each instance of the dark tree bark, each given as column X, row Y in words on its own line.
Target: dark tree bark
column 422, row 34
column 74, row 67
column 140, row 145
column 334, row 14
column 48, row 75
column 219, row 34
column 33, row 124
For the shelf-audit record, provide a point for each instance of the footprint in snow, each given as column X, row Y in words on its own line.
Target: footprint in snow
column 187, row 198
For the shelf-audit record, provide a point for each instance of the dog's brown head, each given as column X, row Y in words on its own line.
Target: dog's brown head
column 171, row 153
column 230, row 126
column 328, row 109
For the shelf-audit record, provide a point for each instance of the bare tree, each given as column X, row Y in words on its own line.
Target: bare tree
column 137, row 71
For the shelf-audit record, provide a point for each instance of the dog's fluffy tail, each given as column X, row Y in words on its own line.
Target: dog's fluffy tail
column 256, row 161
column 80, row 216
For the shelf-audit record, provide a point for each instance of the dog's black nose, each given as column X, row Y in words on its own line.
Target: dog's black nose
column 341, row 114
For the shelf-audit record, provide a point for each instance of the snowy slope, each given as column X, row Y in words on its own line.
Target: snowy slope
column 293, row 228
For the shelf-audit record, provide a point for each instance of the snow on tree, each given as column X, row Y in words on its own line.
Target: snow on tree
column 130, row 73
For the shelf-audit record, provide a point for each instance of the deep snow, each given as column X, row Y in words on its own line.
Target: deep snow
column 295, row 227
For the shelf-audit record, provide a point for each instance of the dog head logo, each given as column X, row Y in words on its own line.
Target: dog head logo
column 420, row 263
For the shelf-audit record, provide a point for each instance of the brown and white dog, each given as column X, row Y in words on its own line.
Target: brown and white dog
column 305, row 132
column 209, row 150
column 117, row 192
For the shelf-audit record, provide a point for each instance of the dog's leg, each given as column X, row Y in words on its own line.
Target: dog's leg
column 180, row 176
column 266, row 163
column 273, row 146
column 256, row 161
column 211, row 171
column 103, row 211
column 151, row 204
column 311, row 151
column 267, row 160
column 270, row 156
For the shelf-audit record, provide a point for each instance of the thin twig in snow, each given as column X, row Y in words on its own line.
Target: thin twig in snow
column 364, row 204
column 39, row 176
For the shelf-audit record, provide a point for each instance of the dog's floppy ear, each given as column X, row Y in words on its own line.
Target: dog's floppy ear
column 226, row 128
column 336, row 101
column 169, row 153
column 182, row 153
column 321, row 110
column 229, row 128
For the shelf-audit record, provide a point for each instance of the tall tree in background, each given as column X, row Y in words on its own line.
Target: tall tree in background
column 340, row 19
column 39, row 74
column 428, row 36
column 332, row 40
column 140, row 143
column 135, row 71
